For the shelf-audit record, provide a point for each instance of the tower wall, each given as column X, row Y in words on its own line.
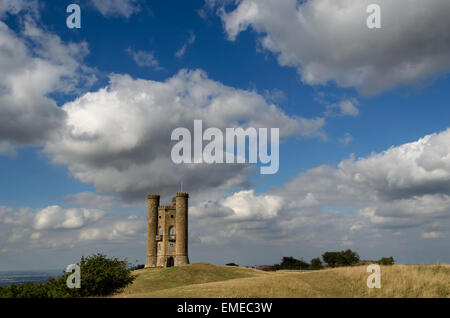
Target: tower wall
column 181, row 206
column 152, row 224
column 165, row 221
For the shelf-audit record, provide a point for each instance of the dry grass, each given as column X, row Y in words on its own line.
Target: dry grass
column 205, row 280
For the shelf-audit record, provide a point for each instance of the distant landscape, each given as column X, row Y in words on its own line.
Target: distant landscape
column 19, row 277
column 205, row 280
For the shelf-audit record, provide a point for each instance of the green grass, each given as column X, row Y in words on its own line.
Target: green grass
column 151, row 280
column 206, row 280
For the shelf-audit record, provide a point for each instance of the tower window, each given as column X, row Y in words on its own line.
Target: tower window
column 159, row 247
column 171, row 216
column 171, row 248
column 160, row 231
column 171, row 230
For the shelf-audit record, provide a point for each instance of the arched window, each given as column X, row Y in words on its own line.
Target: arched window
column 160, row 231
column 171, row 230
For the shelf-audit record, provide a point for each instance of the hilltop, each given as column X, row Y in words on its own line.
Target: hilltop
column 207, row 280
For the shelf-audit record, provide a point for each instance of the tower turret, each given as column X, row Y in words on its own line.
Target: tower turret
column 181, row 207
column 152, row 224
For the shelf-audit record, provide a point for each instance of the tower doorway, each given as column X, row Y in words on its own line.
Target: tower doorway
column 170, row 262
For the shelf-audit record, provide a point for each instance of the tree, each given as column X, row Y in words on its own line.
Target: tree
column 343, row 258
column 102, row 276
column 386, row 261
column 288, row 262
column 349, row 258
column 330, row 258
column 316, row 263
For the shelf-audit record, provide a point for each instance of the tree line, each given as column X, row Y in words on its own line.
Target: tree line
column 330, row 259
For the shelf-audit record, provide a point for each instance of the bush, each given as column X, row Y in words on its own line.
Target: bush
column 316, row 263
column 288, row 262
column 343, row 258
column 136, row 267
column 102, row 276
column 386, row 261
column 231, row 264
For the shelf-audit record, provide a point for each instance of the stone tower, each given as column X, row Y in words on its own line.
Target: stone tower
column 167, row 232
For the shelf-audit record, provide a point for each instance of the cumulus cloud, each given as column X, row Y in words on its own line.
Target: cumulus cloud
column 118, row 138
column 117, row 8
column 269, row 218
column 405, row 186
column 34, row 64
column 432, row 235
column 54, row 217
column 412, row 45
column 242, row 205
column 129, row 228
column 403, row 190
column 55, row 226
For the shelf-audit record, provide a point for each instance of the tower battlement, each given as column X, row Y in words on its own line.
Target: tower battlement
column 167, row 233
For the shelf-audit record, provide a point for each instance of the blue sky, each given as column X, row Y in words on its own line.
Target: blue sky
column 228, row 47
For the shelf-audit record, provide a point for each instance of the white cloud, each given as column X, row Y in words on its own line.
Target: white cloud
column 242, row 205
column 405, row 186
column 348, row 138
column 343, row 108
column 35, row 236
column 144, row 59
column 118, row 138
column 246, row 205
column 34, row 64
column 191, row 39
column 117, row 8
column 432, row 235
column 16, row 6
column 363, row 203
column 348, row 108
column 412, row 45
column 55, row 217
column 119, row 230
column 55, row 227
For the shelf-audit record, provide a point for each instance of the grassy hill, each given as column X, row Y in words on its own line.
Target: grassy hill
column 206, row 280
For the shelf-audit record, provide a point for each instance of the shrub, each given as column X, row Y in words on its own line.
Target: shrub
column 343, row 258
column 102, row 276
column 316, row 263
column 231, row 264
column 288, row 262
column 386, row 261
column 136, row 267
